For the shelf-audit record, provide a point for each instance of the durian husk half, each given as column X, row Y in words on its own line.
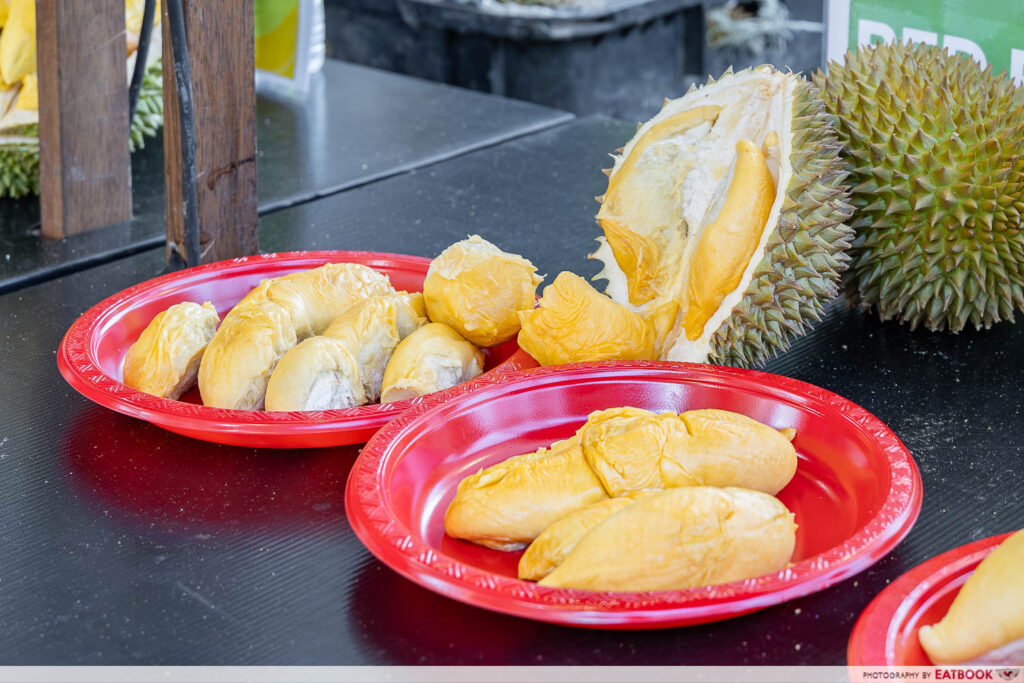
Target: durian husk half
column 731, row 203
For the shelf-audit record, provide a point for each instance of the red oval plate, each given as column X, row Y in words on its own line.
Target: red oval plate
column 92, row 352
column 856, row 492
column 886, row 631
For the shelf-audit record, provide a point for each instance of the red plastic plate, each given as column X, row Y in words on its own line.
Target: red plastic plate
column 92, row 352
column 856, row 492
column 886, row 632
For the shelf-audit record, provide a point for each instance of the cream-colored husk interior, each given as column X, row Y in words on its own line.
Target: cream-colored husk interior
column 699, row 164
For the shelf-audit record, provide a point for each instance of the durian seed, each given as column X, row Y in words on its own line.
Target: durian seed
column 727, row 244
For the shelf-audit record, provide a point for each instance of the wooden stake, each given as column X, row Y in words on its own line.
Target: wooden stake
column 221, row 58
column 84, row 165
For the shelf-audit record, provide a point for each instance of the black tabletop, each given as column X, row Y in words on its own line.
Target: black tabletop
column 355, row 126
column 124, row 544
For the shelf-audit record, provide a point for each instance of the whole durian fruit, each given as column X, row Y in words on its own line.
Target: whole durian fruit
column 729, row 206
column 19, row 99
column 935, row 146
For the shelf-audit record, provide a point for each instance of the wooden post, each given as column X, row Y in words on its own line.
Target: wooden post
column 84, row 165
column 222, row 62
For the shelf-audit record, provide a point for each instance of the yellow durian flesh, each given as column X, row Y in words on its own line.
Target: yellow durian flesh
column 729, row 449
column 575, row 323
column 18, row 41
column 271, row 319
column 553, row 544
column 681, row 538
column 133, row 15
column 625, row 447
column 314, row 298
column 18, row 55
column 509, row 504
column 8, row 95
column 477, row 289
column 28, row 96
column 631, row 449
column 645, row 192
column 987, row 614
column 432, row 358
column 344, row 367
column 693, row 181
column 315, row 374
column 370, row 331
column 245, row 350
column 618, row 452
column 416, row 303
column 727, row 244
column 164, row 360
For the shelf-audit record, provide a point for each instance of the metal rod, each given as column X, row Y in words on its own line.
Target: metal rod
column 183, row 79
column 141, row 55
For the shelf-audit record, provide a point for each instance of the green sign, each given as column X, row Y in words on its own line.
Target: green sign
column 991, row 31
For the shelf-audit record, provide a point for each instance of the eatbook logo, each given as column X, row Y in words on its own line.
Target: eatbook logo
column 1008, row 674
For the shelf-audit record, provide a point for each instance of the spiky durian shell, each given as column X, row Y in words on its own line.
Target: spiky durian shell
column 19, row 158
column 19, row 168
column 806, row 254
column 935, row 146
column 149, row 110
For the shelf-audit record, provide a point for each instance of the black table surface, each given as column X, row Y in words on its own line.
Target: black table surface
column 355, row 126
column 125, row 544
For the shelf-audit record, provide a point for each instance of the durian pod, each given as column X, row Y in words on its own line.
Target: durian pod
column 933, row 146
column 508, row 505
column 477, row 289
column 617, row 452
column 554, row 543
column 18, row 42
column 681, row 538
column 985, row 623
column 372, row 329
column 316, row 374
column 575, row 322
column 344, row 367
column 432, row 358
column 270, row 320
column 631, row 449
column 164, row 360
column 730, row 204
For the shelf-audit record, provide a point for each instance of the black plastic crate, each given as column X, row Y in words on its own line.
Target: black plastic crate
column 619, row 59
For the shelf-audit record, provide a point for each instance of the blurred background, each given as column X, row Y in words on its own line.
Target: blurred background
column 614, row 57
